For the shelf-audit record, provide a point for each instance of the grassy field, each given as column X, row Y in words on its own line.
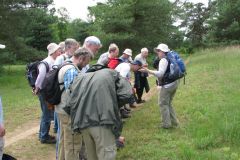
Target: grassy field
column 207, row 107
column 19, row 105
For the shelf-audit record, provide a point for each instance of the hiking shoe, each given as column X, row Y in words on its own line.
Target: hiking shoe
column 124, row 114
column 133, row 106
column 140, row 101
column 127, row 109
column 49, row 140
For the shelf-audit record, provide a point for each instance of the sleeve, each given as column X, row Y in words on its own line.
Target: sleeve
column 41, row 75
column 162, row 67
column 69, row 77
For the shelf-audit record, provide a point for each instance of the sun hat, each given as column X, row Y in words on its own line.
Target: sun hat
column 52, row 47
column 163, row 47
column 128, row 52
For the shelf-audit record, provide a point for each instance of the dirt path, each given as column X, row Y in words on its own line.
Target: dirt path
column 22, row 132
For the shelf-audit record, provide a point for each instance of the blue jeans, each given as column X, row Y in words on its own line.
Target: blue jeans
column 55, row 121
column 45, row 119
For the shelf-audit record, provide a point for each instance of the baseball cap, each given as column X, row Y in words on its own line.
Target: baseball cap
column 137, row 62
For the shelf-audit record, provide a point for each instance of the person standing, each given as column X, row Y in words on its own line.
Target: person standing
column 110, row 58
column 70, row 144
column 94, row 107
column 53, row 52
column 167, row 92
column 141, row 81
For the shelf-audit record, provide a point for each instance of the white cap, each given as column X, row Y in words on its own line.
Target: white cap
column 52, row 47
column 163, row 47
column 128, row 51
column 144, row 50
column 2, row 46
column 93, row 40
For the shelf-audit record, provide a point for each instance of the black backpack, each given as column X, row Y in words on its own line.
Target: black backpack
column 51, row 86
column 32, row 71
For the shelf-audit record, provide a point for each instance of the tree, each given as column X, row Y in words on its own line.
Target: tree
column 132, row 23
column 195, row 17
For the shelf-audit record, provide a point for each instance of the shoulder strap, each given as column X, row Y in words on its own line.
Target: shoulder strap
column 46, row 65
column 96, row 67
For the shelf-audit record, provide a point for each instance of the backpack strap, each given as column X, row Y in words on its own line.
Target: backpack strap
column 96, row 67
column 46, row 65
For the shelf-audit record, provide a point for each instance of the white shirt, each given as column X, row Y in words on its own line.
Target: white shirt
column 162, row 68
column 60, row 59
column 140, row 58
column 43, row 71
column 124, row 70
column 103, row 59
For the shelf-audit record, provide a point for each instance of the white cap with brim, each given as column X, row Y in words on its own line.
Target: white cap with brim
column 2, row 46
column 93, row 40
column 128, row 52
column 163, row 47
column 52, row 47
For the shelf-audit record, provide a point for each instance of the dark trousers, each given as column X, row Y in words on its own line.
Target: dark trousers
column 139, row 89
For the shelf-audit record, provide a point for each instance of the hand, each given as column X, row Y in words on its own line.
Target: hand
column 2, row 130
column 35, row 91
column 143, row 69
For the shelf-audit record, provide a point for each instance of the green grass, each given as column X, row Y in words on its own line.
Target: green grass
column 19, row 105
column 207, row 107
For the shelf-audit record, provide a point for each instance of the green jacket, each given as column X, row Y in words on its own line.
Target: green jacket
column 95, row 100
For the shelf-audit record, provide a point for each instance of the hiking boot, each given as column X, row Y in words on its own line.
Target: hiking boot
column 127, row 109
column 140, row 101
column 49, row 140
column 124, row 114
column 133, row 105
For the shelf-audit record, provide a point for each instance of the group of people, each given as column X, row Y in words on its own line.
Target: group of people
column 95, row 98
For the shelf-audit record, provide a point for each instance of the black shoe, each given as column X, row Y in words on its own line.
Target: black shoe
column 119, row 144
column 49, row 140
column 140, row 101
column 127, row 109
column 125, row 114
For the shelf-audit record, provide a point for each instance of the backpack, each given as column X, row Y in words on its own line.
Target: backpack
column 32, row 71
column 51, row 86
column 176, row 68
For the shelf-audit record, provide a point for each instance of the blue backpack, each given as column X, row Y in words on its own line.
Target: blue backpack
column 176, row 68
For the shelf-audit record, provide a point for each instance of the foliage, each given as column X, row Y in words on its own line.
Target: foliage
column 133, row 24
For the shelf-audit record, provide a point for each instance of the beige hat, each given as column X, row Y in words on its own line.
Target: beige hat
column 128, row 51
column 144, row 50
column 52, row 47
column 163, row 47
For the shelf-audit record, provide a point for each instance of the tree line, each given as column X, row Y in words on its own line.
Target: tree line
column 28, row 26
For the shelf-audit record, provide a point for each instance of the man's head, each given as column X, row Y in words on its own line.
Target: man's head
column 71, row 45
column 62, row 47
column 127, row 53
column 136, row 65
column 81, row 57
column 113, row 50
column 144, row 52
column 161, row 50
column 93, row 44
column 53, row 50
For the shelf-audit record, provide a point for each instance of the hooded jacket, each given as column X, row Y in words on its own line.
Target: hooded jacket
column 95, row 99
